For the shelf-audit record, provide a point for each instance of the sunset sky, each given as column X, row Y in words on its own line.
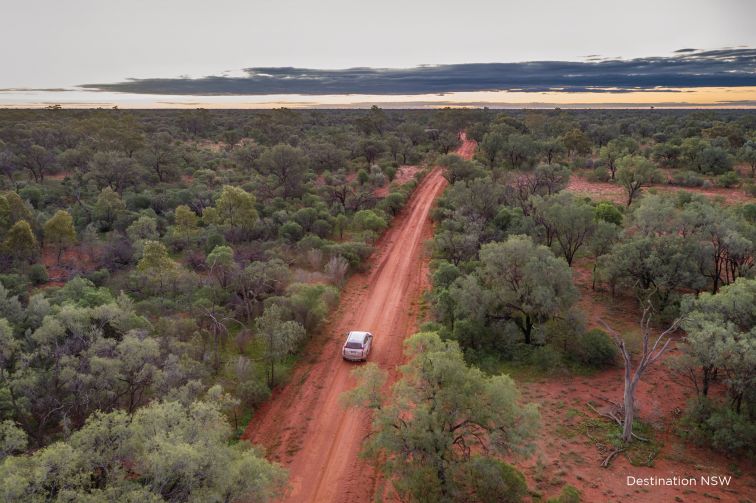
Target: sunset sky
column 235, row 53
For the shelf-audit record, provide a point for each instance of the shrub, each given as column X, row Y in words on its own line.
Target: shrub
column 213, row 240
column 491, row 480
column 253, row 392
column 569, row 494
column 600, row 174
column 688, row 179
column 546, row 359
column 720, row 428
column 38, row 274
column 98, row 277
column 291, row 232
column 729, row 179
column 750, row 189
column 608, row 212
column 593, row 348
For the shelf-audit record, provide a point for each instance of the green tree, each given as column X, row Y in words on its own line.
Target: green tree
column 576, row 142
column 721, row 340
column 571, row 221
column 518, row 281
column 164, row 452
column 59, row 231
column 281, row 338
column 236, row 208
column 108, row 207
column 614, row 150
column 156, row 263
column 438, row 435
column 747, row 154
column 286, row 167
column 20, row 242
column 221, row 264
column 633, row 173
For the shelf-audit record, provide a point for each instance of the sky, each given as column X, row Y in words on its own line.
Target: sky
column 220, row 53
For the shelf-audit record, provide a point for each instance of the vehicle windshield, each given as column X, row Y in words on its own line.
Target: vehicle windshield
column 354, row 345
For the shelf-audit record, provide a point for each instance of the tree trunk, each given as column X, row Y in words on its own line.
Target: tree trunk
column 629, row 402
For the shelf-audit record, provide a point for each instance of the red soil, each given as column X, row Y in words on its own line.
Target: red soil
column 304, row 426
column 661, row 396
column 613, row 192
column 73, row 260
column 404, row 174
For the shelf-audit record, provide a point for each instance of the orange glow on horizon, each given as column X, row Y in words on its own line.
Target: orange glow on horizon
column 709, row 97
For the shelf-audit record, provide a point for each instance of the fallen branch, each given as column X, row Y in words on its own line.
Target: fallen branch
column 605, row 463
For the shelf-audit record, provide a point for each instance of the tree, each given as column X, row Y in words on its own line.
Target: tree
column 166, row 451
column 20, row 242
column 519, row 149
column 651, row 351
column 667, row 155
column 492, row 147
column 59, row 231
column 286, row 166
column 39, row 160
column 156, row 262
column 522, row 282
column 113, row 170
column 221, row 264
column 633, row 173
column 721, row 339
column 614, row 150
column 185, row 222
column 447, row 141
column 371, row 148
column 576, row 142
column 108, row 207
column 571, row 220
column 159, row 155
column 236, row 208
column 280, row 337
column 438, row 435
column 746, row 154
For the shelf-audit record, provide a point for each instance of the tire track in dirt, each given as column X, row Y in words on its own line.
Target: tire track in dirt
column 304, row 426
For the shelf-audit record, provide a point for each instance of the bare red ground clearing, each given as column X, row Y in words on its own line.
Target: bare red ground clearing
column 564, row 455
column 404, row 174
column 74, row 260
column 304, row 426
column 613, row 192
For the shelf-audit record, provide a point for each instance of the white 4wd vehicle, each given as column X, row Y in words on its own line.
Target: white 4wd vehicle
column 357, row 346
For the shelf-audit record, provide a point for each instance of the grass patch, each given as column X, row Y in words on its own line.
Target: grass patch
column 606, row 436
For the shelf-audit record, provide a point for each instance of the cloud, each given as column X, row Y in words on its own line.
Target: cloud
column 688, row 68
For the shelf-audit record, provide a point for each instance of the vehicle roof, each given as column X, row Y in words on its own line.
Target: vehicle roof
column 356, row 336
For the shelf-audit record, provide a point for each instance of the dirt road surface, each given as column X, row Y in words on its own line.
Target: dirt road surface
column 304, row 425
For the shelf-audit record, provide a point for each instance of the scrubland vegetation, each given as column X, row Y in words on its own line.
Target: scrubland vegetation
column 161, row 271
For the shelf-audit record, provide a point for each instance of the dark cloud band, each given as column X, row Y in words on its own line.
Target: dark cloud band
column 688, row 68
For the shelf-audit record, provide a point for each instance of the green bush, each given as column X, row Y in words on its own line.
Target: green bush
column 489, row 480
column 729, row 179
column 291, row 232
column 38, row 274
column 569, row 494
column 600, row 174
column 213, row 240
column 593, row 348
column 750, row 189
column 688, row 179
column 546, row 359
column 98, row 277
column 720, row 428
column 608, row 212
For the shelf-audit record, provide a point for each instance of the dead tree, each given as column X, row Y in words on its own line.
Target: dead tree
column 650, row 354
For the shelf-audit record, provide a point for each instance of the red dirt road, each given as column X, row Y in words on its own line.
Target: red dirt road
column 304, row 425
